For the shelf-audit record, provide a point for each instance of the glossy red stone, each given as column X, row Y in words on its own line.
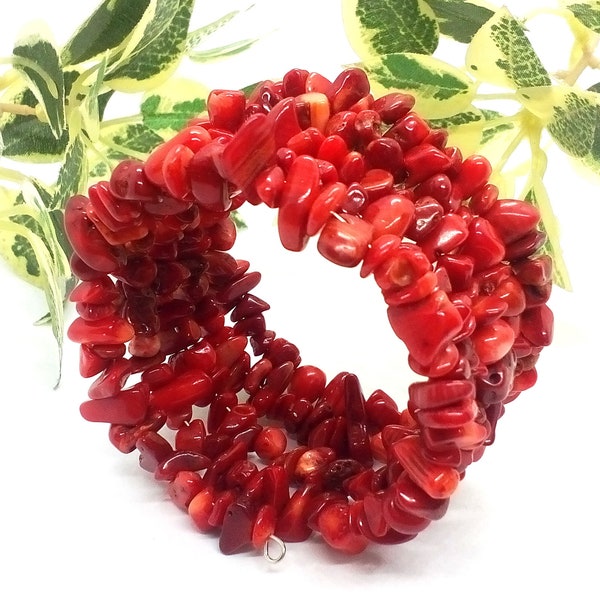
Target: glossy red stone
column 537, row 325
column 334, row 525
column 183, row 390
column 426, row 326
column 512, row 219
column 344, row 240
column 390, row 215
column 300, row 190
column 473, row 175
column 89, row 244
column 329, row 200
column 435, row 480
column 270, row 443
column 128, row 407
column 184, row 487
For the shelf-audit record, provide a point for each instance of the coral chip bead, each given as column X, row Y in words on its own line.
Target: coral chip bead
column 492, row 341
column 436, row 480
column 390, row 215
column 344, row 240
column 334, row 525
column 426, row 326
column 298, row 193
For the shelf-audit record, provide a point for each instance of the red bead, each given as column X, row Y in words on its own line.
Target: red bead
column 200, row 508
column 181, row 460
column 472, row 176
column 390, row 215
column 512, row 219
column 183, row 390
column 292, row 524
column 270, row 443
column 399, row 519
column 424, row 161
column 483, row 244
column 439, row 394
column 412, row 499
column 348, row 88
column 334, row 524
column 226, row 108
column 426, row 326
column 128, row 407
column 393, row 106
column 185, row 486
column 345, row 239
column 247, row 154
column 537, row 325
column 435, row 480
column 300, row 190
column 493, row 341
column 329, row 200
column 314, row 109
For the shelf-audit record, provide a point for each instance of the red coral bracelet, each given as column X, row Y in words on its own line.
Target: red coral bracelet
column 168, row 321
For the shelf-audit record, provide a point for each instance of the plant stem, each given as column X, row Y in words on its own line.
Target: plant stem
column 17, row 109
column 497, row 96
column 121, row 121
column 510, row 149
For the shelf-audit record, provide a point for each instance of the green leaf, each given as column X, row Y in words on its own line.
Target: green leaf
column 16, row 248
column 501, row 54
column 572, row 117
column 26, row 138
column 595, row 88
column 158, row 52
column 439, row 88
column 169, row 108
column 106, row 28
column 46, row 78
column 496, row 124
column 135, row 140
column 52, row 281
column 473, row 128
column 381, row 27
column 538, row 196
column 91, row 109
column 587, row 13
column 72, row 175
column 458, row 19
column 201, row 34
column 222, row 51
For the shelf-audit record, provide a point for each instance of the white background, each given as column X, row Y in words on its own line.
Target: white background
column 80, row 520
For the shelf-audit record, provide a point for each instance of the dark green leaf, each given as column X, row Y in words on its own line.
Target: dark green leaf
column 72, row 174
column 587, row 13
column 575, row 126
column 440, row 89
column 49, row 87
column 222, row 51
column 538, row 196
column 58, row 221
column 199, row 35
column 458, row 19
column 159, row 50
column 137, row 138
column 595, row 88
column 500, row 53
column 379, row 27
column 172, row 106
column 29, row 140
column 110, row 24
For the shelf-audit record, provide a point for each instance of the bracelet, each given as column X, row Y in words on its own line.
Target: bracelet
column 248, row 440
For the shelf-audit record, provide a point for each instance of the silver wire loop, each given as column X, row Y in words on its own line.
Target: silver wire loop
column 274, row 558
